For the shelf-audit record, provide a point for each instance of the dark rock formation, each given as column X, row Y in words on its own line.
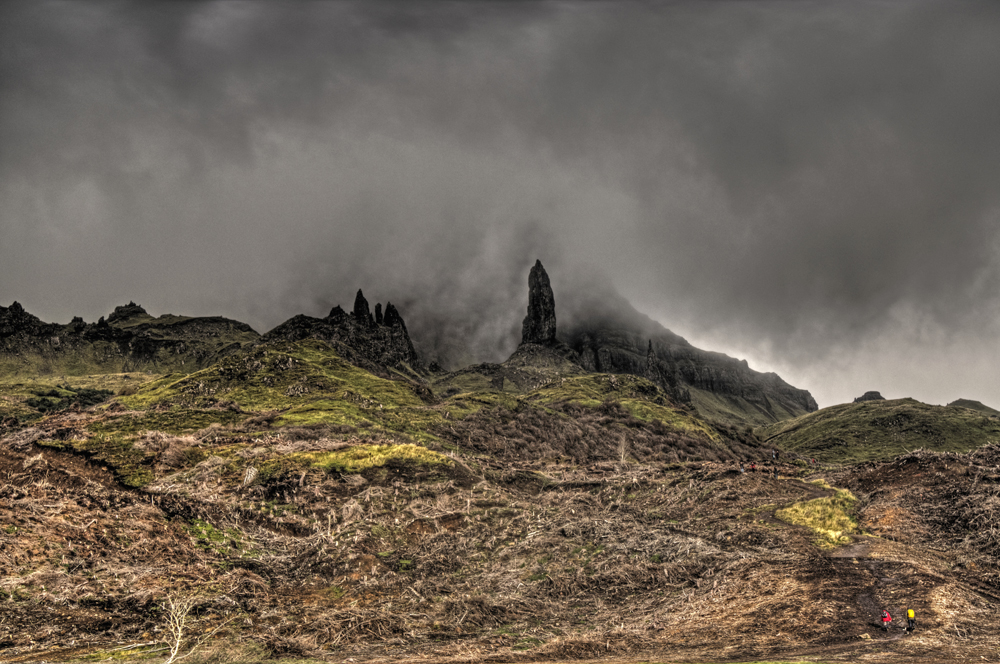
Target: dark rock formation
column 14, row 320
column 126, row 312
column 539, row 325
column 608, row 335
column 392, row 317
column 127, row 340
column 361, row 311
column 374, row 343
column 870, row 396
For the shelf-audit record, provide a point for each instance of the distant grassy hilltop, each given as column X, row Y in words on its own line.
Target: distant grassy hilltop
column 974, row 405
column 869, row 430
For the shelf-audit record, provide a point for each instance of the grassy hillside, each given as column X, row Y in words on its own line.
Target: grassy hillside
column 378, row 553
column 870, row 430
column 302, row 389
column 303, row 382
column 974, row 405
column 737, row 411
column 23, row 401
column 308, row 508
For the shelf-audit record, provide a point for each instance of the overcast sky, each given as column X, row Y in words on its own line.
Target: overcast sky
column 812, row 186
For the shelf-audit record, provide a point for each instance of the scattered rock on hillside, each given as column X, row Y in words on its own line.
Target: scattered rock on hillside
column 870, row 396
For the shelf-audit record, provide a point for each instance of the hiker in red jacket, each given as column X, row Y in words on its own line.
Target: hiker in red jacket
column 886, row 620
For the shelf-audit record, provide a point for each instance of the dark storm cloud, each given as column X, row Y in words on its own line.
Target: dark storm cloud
column 810, row 184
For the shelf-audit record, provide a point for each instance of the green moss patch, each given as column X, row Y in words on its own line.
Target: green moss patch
column 361, row 457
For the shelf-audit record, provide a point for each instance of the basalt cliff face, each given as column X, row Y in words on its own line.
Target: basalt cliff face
column 374, row 342
column 721, row 387
column 128, row 340
column 608, row 335
column 605, row 334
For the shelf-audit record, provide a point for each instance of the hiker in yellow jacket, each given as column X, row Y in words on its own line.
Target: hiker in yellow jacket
column 911, row 620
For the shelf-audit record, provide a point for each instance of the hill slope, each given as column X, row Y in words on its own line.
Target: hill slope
column 870, row 430
column 339, row 548
column 974, row 405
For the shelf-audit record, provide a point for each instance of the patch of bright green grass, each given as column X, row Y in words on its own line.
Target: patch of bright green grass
column 361, row 457
column 873, row 430
column 461, row 382
column 17, row 398
column 832, row 519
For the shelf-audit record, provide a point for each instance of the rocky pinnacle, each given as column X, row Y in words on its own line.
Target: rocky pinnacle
column 361, row 311
column 539, row 325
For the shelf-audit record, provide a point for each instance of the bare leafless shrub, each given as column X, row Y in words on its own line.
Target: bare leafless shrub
column 179, row 628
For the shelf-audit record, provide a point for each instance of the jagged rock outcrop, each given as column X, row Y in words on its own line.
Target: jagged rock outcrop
column 362, row 314
column 129, row 339
column 126, row 312
column 870, row 396
column 15, row 322
column 539, row 326
column 373, row 342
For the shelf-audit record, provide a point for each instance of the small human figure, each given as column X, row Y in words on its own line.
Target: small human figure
column 911, row 620
column 753, row 468
column 742, row 469
column 886, row 620
column 774, row 455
